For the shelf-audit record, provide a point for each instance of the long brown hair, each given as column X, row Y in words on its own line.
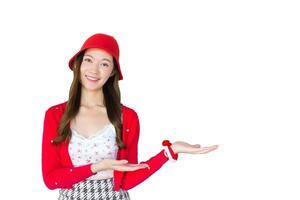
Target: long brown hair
column 112, row 101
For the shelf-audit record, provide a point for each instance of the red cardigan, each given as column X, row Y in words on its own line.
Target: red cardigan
column 59, row 172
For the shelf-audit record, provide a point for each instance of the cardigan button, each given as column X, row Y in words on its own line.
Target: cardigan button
column 56, row 183
column 127, row 130
column 71, row 170
column 51, row 141
column 166, row 154
column 56, row 108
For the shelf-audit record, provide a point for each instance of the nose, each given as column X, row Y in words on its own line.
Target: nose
column 96, row 67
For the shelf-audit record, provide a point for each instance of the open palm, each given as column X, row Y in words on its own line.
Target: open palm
column 184, row 147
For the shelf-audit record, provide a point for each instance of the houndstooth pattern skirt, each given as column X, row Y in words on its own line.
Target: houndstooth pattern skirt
column 102, row 189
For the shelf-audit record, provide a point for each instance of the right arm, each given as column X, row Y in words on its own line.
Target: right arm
column 54, row 174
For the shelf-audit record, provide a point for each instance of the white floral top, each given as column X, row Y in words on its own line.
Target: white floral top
column 102, row 145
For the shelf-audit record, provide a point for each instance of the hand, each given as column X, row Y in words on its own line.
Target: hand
column 183, row 147
column 119, row 165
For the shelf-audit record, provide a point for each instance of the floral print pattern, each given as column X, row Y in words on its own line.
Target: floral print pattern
column 102, row 145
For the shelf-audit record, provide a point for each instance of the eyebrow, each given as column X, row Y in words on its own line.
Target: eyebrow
column 101, row 59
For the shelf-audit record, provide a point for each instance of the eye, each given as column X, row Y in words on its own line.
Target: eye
column 87, row 60
column 105, row 64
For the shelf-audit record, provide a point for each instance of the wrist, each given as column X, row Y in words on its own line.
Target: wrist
column 99, row 166
column 174, row 149
column 173, row 156
column 93, row 168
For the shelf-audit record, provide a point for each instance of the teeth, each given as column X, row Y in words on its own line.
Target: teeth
column 91, row 78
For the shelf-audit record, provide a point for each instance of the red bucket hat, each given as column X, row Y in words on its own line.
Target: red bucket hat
column 102, row 41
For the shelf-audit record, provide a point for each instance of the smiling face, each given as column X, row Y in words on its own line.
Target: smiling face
column 96, row 67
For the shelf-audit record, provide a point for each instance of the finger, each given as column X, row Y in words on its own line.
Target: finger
column 129, row 168
column 203, row 149
column 146, row 166
column 131, row 165
column 138, row 165
column 197, row 145
column 194, row 148
column 143, row 165
column 137, row 168
column 208, row 149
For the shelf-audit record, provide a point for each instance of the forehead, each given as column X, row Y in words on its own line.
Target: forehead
column 98, row 53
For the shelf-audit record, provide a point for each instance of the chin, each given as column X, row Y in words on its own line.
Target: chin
column 92, row 88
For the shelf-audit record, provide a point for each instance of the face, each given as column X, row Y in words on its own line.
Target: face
column 96, row 68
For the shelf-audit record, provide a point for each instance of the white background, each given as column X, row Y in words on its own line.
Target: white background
column 208, row 72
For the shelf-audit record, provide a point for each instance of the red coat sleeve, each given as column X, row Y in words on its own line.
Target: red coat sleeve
column 54, row 174
column 133, row 178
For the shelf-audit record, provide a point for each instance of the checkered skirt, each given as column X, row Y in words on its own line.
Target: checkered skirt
column 102, row 189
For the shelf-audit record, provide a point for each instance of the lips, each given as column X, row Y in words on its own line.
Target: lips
column 91, row 78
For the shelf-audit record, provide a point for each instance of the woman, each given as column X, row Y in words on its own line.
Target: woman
column 89, row 147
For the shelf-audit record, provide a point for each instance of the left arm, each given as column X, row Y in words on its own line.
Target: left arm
column 133, row 178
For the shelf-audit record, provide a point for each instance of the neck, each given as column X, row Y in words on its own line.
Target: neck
column 92, row 98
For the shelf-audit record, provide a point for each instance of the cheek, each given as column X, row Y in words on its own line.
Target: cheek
column 109, row 72
column 81, row 74
column 83, row 67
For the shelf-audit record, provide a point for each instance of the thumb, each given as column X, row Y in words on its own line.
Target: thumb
column 123, row 161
